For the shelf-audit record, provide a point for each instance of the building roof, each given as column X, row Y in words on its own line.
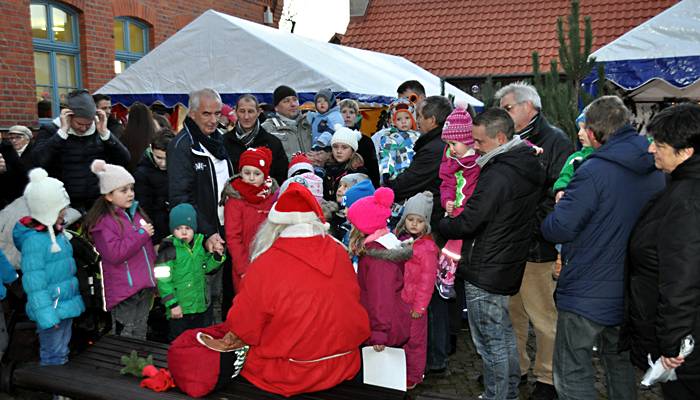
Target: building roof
column 460, row 38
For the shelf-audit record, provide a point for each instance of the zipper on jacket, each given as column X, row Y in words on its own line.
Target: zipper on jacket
column 148, row 262
column 128, row 274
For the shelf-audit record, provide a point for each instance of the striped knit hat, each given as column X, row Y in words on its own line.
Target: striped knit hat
column 458, row 126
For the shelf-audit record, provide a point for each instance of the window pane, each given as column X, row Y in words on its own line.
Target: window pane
column 42, row 68
column 119, row 35
column 65, row 70
column 119, row 67
column 63, row 95
column 44, row 96
column 38, row 12
column 136, row 39
column 62, row 26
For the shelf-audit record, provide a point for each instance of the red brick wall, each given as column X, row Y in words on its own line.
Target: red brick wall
column 164, row 17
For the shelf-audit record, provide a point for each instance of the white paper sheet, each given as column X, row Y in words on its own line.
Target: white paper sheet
column 384, row 368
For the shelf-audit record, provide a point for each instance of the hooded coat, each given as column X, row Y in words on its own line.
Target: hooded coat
column 663, row 289
column 53, row 293
column 128, row 257
column 497, row 222
column 593, row 221
column 305, row 326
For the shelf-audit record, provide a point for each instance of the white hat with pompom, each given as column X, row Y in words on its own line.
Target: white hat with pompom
column 46, row 197
column 346, row 136
column 111, row 176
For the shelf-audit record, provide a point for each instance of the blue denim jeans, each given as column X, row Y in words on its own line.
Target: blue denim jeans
column 493, row 337
column 53, row 343
column 574, row 376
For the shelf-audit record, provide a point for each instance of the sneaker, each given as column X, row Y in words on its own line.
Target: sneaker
column 446, row 291
column 543, row 391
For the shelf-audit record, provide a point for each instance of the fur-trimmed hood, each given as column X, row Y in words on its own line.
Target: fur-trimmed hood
column 389, row 248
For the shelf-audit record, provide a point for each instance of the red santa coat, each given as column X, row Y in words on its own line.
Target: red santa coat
column 241, row 222
column 299, row 310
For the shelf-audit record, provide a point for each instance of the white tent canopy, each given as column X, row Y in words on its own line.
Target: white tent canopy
column 659, row 58
column 236, row 56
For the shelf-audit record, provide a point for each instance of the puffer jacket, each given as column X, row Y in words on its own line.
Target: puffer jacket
column 180, row 271
column 663, row 283
column 419, row 274
column 53, row 293
column 7, row 274
column 294, row 138
column 128, row 257
column 498, row 220
column 593, row 222
column 380, row 275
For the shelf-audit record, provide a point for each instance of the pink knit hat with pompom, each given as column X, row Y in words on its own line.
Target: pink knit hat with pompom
column 371, row 213
column 458, row 126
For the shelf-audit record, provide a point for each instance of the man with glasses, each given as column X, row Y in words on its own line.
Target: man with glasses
column 21, row 138
column 82, row 137
column 104, row 103
column 535, row 302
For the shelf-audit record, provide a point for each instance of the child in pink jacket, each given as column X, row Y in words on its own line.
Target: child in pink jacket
column 418, row 279
column 459, row 173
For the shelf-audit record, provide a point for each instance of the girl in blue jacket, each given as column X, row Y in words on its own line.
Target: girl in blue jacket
column 48, row 267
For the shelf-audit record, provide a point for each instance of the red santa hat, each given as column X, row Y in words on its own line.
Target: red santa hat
column 258, row 157
column 296, row 206
column 300, row 162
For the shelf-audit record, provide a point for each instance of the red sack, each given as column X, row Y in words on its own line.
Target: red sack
column 199, row 370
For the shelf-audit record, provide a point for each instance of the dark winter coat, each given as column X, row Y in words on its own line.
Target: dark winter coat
column 334, row 173
column 365, row 148
column 14, row 179
column 234, row 148
column 422, row 174
column 593, row 221
column 663, row 289
column 192, row 179
column 497, row 222
column 151, row 190
column 557, row 147
column 68, row 160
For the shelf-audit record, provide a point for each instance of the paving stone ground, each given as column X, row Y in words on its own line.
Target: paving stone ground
column 465, row 366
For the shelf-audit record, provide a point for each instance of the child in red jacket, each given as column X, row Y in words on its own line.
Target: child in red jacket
column 244, row 215
column 418, row 279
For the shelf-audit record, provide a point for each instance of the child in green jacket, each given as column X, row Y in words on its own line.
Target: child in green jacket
column 180, row 272
column 574, row 160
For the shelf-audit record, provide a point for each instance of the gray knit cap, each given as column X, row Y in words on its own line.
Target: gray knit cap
column 420, row 204
column 82, row 104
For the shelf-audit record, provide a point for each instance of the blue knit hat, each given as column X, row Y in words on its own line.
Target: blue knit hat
column 183, row 214
column 360, row 190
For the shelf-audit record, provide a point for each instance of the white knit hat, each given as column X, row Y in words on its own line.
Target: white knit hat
column 346, row 136
column 46, row 197
column 111, row 176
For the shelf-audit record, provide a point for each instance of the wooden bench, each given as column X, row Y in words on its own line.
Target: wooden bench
column 94, row 374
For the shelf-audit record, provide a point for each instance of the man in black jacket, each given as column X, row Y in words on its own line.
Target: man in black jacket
column 535, row 301
column 248, row 133
column 68, row 146
column 496, row 227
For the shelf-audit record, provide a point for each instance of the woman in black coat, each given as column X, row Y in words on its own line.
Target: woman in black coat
column 663, row 290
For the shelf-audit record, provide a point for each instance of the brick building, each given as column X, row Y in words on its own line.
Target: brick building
column 49, row 47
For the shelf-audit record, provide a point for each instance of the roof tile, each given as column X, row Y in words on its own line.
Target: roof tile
column 475, row 38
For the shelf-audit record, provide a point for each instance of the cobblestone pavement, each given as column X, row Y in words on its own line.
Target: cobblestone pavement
column 460, row 382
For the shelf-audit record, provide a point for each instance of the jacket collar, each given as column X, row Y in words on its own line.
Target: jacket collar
column 427, row 138
column 688, row 169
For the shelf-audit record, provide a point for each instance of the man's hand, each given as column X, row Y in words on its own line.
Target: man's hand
column 672, row 362
column 3, row 165
column 66, row 118
column 101, row 123
column 176, row 312
column 558, row 196
column 215, row 244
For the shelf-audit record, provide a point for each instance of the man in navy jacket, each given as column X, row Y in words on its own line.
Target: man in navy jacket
column 593, row 221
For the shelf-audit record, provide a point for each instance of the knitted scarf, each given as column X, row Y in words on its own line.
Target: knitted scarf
column 247, row 137
column 251, row 193
column 529, row 129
